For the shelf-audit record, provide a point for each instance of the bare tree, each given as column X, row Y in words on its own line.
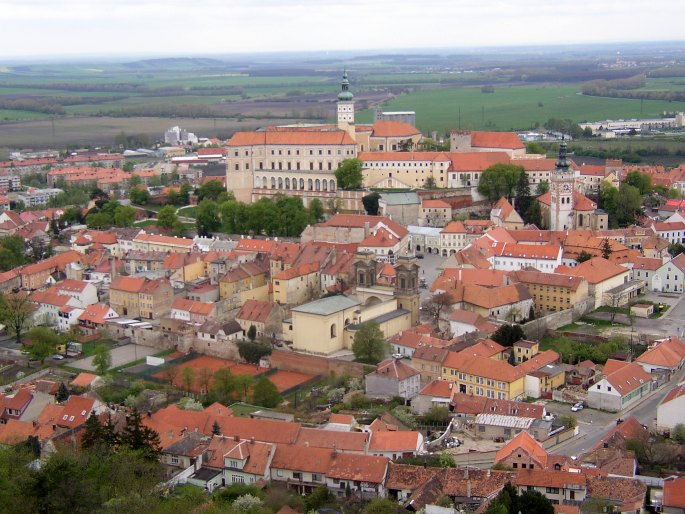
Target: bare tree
column 204, row 376
column 16, row 311
column 436, row 305
column 171, row 374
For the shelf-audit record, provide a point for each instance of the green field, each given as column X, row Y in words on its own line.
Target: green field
column 11, row 114
column 518, row 107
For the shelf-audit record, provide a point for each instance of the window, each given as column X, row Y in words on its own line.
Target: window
column 174, row 459
column 297, row 475
column 552, row 490
column 237, row 479
column 316, row 477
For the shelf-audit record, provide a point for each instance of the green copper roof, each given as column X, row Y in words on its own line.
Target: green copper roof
column 562, row 162
column 345, row 95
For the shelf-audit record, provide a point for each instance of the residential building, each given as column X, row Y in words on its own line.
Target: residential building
column 673, row 231
column 464, row 322
column 434, row 213
column 673, row 501
column 141, row 297
column 83, row 292
column 559, row 487
column 667, row 356
column 192, row 311
column 671, row 410
column 404, row 208
column 481, row 141
column 395, row 444
column 504, row 215
column 552, row 292
column 524, row 350
column 482, row 376
column 645, row 268
column 217, row 334
column 297, row 285
column 264, row 316
column 48, row 306
column 242, row 278
column 605, row 280
column 670, row 276
column 515, row 256
column 157, row 243
column 623, row 385
column 363, row 475
column 522, row 452
column 392, row 378
column 428, row 361
column 94, row 318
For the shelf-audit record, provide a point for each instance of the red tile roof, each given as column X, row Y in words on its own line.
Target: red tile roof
column 393, row 129
column 674, row 493
column 255, row 310
column 507, row 140
column 343, row 441
column 669, row 353
column 362, row 468
column 292, row 138
column 627, row 378
column 594, row 270
column 550, row 478
column 395, row 369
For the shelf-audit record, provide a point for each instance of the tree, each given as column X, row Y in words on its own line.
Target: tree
column 429, row 183
column 166, row 217
column 436, row 305
column 139, row 196
column 678, row 433
column 499, row 180
column 128, row 167
column 265, row 393
column 243, row 383
column 543, row 187
column 253, row 352
column 12, row 252
column 210, row 190
column 207, row 218
column 216, row 428
column 124, row 216
column 583, row 256
column 381, row 506
column 316, row 499
column 673, row 194
column 99, row 220
column 315, row 210
column 252, row 333
column 139, row 437
column 606, row 248
column 62, row 393
column 534, row 214
column 44, row 342
column 641, row 181
column 523, row 198
column 507, row 335
column 102, row 359
column 569, row 421
column 370, row 203
column 534, row 147
column 369, row 343
column 188, row 377
column 223, row 385
column 171, row 374
column 349, row 174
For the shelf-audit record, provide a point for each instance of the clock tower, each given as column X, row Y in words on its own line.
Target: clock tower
column 346, row 107
column 561, row 188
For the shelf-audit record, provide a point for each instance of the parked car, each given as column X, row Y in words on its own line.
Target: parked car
column 58, row 357
column 578, row 407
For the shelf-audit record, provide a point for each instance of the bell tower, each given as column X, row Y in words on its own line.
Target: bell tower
column 407, row 286
column 561, row 188
column 346, row 107
column 365, row 270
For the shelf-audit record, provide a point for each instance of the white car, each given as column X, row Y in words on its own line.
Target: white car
column 58, row 357
column 578, row 406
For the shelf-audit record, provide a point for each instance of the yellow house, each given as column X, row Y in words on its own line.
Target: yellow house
column 242, row 278
column 542, row 374
column 553, row 292
column 157, row 243
column 524, row 350
column 141, row 297
column 184, row 267
column 481, row 376
column 297, row 285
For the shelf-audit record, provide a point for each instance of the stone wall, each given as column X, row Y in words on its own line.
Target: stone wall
column 536, row 329
column 314, row 365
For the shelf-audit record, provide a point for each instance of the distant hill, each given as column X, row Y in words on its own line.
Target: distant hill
column 173, row 63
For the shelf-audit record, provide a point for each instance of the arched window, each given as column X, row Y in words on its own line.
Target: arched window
column 302, row 183
column 334, row 331
column 317, row 185
column 273, row 183
column 332, row 186
column 264, row 181
column 324, row 183
column 294, row 182
column 280, row 183
column 310, row 185
column 287, row 183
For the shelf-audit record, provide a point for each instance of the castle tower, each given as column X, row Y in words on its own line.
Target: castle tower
column 346, row 107
column 407, row 286
column 561, row 189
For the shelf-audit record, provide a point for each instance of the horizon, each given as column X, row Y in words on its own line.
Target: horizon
column 212, row 28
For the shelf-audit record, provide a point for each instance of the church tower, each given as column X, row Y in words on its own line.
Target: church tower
column 407, row 286
column 346, row 107
column 561, row 188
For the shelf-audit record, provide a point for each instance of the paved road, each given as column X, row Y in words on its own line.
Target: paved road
column 593, row 425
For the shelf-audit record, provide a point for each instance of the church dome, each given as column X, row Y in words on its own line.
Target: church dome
column 345, row 95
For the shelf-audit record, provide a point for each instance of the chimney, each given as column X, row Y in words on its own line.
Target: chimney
column 366, row 229
column 468, row 489
column 252, row 440
column 466, row 473
column 236, row 438
column 113, row 268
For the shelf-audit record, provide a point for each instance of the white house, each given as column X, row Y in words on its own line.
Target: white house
column 515, row 256
column 68, row 316
column 674, row 231
column 424, row 239
column 671, row 411
column 48, row 306
column 644, row 268
column 623, row 384
column 670, row 277
column 83, row 292
column 667, row 355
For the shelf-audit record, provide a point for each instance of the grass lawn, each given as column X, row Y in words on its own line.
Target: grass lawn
column 188, row 212
column 145, row 223
column 90, row 347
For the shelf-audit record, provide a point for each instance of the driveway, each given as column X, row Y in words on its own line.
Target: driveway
column 121, row 355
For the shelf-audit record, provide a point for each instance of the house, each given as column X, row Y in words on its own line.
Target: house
column 297, row 285
column 403, row 207
column 464, row 322
column 48, row 306
column 542, row 374
column 139, row 297
column 264, row 316
column 559, row 487
column 673, row 501
column 192, row 311
column 437, row 393
column 483, row 141
column 625, row 494
column 670, row 276
column 428, row 361
column 524, row 350
column 469, row 406
column 158, row 243
column 515, row 256
column 86, row 380
column 13, row 407
column 94, row 318
column 395, row 444
column 481, row 376
column 212, row 332
column 671, row 410
column 434, row 213
column 83, row 292
column 242, row 278
column 345, row 442
column 510, row 303
column 673, row 231
column 406, row 342
column 362, row 475
column 504, row 215
column 644, row 268
column 552, row 292
column 584, row 374
column 522, row 452
column 666, row 356
column 184, row 453
column 604, row 278
column 623, row 385
column 392, row 378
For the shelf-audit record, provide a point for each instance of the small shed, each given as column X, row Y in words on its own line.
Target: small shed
column 642, row 310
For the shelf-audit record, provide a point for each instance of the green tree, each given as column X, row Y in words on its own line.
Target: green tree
column 349, row 174
column 207, row 218
column 534, row 214
column 315, row 210
column 542, row 188
column 629, row 203
column 381, row 506
column 583, row 256
column 139, row 196
column 507, row 335
column 243, row 383
column 124, row 216
column 252, row 333
column 533, row 147
column 128, row 167
column 569, row 421
column 676, row 249
column 499, row 180
column 139, row 437
column 62, row 393
column 673, row 194
column 99, row 220
column 216, row 428
column 223, row 385
column 252, row 352
column 317, row 499
column 12, row 252
column 369, row 344
column 370, row 203
column 641, row 181
column 184, row 193
column 16, row 313
column 265, row 393
column 678, row 433
column 606, row 248
column 166, row 217
column 102, row 360
column 429, row 183
column 523, row 198
column 211, row 190
column 188, row 377
column 44, row 342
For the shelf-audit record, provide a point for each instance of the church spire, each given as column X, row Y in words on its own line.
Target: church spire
column 562, row 162
column 345, row 95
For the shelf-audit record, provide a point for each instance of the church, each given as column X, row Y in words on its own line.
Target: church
column 564, row 207
column 300, row 159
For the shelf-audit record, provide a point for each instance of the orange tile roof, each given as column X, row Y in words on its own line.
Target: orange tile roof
column 292, row 138
column 49, row 298
column 508, row 140
column 255, row 310
column 382, row 238
column 343, row 441
column 435, row 204
column 669, row 352
column 454, row 227
column 594, row 270
column 393, row 129
column 300, row 271
column 580, row 201
column 476, row 161
column 362, row 468
column 96, row 313
column 395, row 369
column 404, row 156
column 391, row 441
column 438, row 389
column 468, row 362
column 15, row 431
column 302, row 458
column 494, row 297
column 628, row 378
column 83, row 379
column 518, row 250
column 674, row 493
column 526, row 443
column 538, row 361
column 168, row 240
column 359, row 221
column 193, row 306
column 550, row 279
column 647, row 263
column 255, row 245
column 550, row 478
column 674, row 393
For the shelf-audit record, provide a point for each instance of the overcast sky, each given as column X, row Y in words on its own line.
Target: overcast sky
column 184, row 27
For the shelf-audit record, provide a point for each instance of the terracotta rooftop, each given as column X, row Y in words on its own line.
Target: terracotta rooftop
column 255, row 310
column 594, row 270
column 674, row 493
column 505, row 140
column 667, row 353
column 395, row 369
column 523, row 442
column 291, row 138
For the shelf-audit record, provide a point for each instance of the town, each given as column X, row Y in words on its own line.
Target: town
column 343, row 317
